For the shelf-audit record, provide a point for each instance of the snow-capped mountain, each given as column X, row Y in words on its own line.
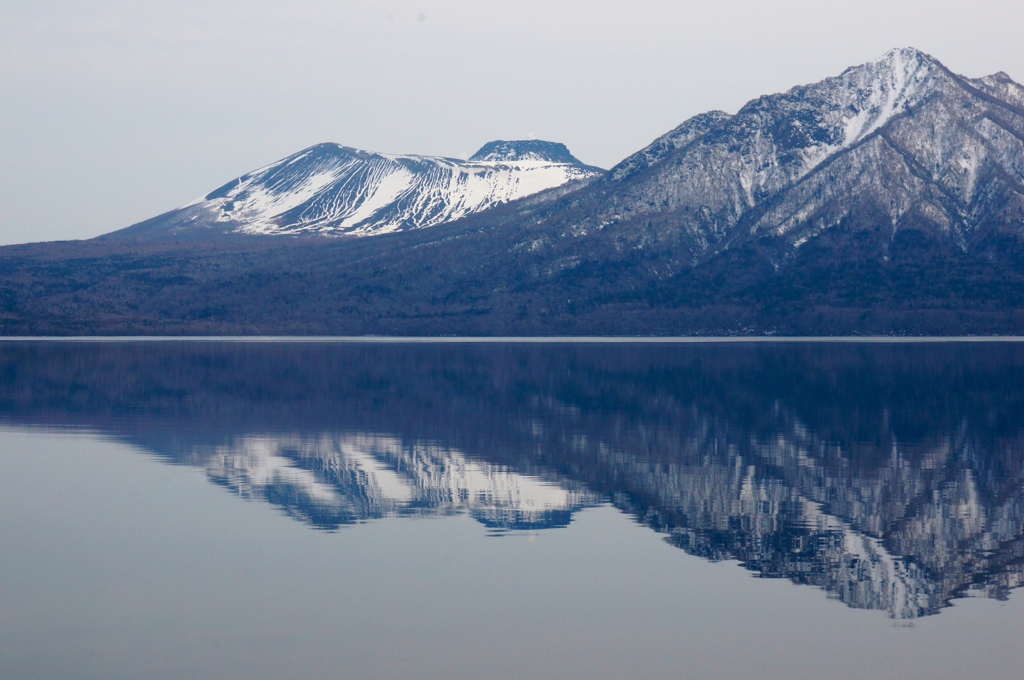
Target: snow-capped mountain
column 334, row 190
column 897, row 141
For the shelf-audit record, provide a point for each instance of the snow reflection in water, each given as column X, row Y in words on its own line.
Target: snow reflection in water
column 890, row 476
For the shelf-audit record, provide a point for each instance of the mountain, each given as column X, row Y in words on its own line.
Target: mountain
column 900, row 143
column 886, row 200
column 334, row 190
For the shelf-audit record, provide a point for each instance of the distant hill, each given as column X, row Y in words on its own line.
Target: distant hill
column 886, row 200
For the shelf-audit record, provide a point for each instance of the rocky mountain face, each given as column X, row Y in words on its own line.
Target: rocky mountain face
column 900, row 143
column 333, row 190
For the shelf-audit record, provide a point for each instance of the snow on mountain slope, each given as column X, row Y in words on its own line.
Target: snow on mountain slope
column 692, row 129
column 776, row 140
column 333, row 190
column 900, row 137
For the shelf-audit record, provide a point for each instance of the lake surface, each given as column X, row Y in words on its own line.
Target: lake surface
column 508, row 510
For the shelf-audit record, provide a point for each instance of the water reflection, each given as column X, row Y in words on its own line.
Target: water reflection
column 333, row 479
column 890, row 476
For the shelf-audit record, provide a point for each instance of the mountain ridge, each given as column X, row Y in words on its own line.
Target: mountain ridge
column 886, row 200
column 772, row 144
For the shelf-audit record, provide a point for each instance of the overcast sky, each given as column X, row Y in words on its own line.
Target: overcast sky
column 112, row 112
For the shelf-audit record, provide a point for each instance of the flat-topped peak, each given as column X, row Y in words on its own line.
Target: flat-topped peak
column 525, row 150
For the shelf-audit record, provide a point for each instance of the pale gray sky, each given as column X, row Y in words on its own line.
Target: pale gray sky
column 114, row 111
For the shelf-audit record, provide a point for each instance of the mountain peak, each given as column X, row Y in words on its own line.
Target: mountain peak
column 900, row 70
column 905, row 55
column 525, row 150
column 901, row 63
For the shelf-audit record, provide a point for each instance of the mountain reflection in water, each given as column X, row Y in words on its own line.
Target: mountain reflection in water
column 889, row 475
column 330, row 480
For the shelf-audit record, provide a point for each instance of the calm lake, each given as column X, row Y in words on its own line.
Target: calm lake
column 219, row 509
